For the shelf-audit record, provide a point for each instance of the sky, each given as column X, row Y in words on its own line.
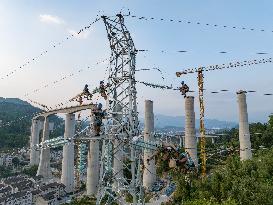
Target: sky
column 30, row 27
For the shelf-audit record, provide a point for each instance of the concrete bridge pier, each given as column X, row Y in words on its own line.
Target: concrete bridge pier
column 190, row 133
column 67, row 177
column 212, row 140
column 34, row 140
column 149, row 174
column 93, row 163
column 244, row 136
column 44, row 164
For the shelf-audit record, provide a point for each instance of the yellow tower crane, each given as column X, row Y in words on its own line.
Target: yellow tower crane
column 200, row 78
column 202, row 123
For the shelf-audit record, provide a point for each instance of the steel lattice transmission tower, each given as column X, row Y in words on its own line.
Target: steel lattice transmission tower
column 120, row 161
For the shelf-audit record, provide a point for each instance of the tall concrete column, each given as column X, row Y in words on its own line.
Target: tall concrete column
column 44, row 164
column 67, row 177
column 212, row 140
column 34, row 140
column 118, row 152
column 190, row 134
column 93, row 163
column 180, row 141
column 244, row 136
column 149, row 174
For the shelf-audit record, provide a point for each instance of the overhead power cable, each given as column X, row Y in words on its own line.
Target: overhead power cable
column 225, row 66
column 45, row 109
column 153, row 85
column 64, row 78
column 187, row 51
column 154, row 68
column 244, row 28
column 167, row 87
column 43, row 53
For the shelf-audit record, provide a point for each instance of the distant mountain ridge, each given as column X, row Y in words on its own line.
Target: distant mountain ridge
column 162, row 121
column 14, row 101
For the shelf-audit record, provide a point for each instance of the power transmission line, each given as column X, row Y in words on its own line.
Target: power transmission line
column 225, row 66
column 33, row 59
column 65, row 77
column 244, row 28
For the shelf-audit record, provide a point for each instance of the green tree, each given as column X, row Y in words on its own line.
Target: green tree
column 83, row 201
column 248, row 183
column 5, row 172
column 31, row 171
column 15, row 161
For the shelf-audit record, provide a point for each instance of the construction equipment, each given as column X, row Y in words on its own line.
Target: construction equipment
column 202, row 123
column 200, row 78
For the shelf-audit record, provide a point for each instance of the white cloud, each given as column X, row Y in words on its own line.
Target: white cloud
column 81, row 35
column 46, row 18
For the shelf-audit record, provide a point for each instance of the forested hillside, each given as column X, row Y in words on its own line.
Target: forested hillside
column 15, row 118
column 229, row 180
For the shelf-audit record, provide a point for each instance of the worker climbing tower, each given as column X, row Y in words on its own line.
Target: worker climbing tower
column 121, row 120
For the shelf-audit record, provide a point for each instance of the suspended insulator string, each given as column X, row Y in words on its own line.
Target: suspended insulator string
column 43, row 53
column 244, row 28
column 225, row 66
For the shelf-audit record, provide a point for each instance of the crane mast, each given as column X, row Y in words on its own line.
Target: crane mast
column 202, row 123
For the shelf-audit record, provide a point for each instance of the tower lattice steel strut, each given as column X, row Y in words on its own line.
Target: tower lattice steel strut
column 120, row 163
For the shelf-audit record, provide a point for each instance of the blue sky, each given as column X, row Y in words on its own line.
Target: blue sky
column 30, row 27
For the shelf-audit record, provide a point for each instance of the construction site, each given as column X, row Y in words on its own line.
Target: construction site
column 112, row 152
